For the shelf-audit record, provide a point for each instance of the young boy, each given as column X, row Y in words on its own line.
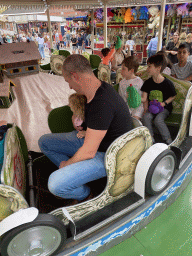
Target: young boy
column 183, row 69
column 162, row 86
column 129, row 68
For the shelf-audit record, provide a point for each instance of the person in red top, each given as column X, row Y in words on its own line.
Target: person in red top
column 107, row 55
column 61, row 40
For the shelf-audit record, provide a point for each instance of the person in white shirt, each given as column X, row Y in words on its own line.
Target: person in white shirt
column 40, row 41
column 130, row 45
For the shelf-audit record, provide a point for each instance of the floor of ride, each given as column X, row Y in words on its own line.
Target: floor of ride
column 46, row 201
column 107, row 212
column 169, row 234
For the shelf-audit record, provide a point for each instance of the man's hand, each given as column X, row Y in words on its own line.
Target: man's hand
column 62, row 164
column 81, row 134
column 90, row 146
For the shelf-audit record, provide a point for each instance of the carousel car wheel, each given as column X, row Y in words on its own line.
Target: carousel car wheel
column 160, row 172
column 43, row 236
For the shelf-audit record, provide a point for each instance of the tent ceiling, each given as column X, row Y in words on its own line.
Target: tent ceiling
column 85, row 4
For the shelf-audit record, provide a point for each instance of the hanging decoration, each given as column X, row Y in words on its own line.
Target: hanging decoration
column 143, row 10
column 99, row 15
column 115, row 14
column 134, row 13
column 128, row 16
column 155, row 17
column 109, row 14
column 182, row 10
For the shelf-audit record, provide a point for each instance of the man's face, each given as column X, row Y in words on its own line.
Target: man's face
column 73, row 81
column 175, row 36
column 182, row 55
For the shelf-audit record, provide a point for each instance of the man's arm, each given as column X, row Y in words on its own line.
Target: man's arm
column 91, row 144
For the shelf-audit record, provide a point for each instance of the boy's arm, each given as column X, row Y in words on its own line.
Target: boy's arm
column 173, row 73
column 144, row 101
column 107, row 58
column 144, row 97
column 189, row 78
column 169, row 100
column 114, row 64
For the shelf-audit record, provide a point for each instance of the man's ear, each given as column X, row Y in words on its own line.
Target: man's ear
column 75, row 76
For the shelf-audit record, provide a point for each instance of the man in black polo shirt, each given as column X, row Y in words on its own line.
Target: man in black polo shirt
column 106, row 117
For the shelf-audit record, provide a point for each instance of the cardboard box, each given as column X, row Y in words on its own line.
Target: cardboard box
column 19, row 58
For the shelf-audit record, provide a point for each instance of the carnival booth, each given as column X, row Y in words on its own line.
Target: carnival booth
column 142, row 22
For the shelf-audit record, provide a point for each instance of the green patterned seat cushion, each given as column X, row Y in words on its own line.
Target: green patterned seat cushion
column 104, row 73
column 181, row 88
column 174, row 119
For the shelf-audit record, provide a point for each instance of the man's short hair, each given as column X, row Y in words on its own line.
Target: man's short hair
column 184, row 46
column 131, row 62
column 77, row 63
column 158, row 60
column 105, row 51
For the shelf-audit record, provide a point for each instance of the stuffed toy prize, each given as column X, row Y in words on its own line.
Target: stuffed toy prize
column 155, row 97
column 118, row 43
column 134, row 98
column 155, row 107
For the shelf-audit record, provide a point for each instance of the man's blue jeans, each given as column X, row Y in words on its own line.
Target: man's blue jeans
column 69, row 182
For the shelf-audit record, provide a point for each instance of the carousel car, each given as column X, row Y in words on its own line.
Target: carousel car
column 142, row 180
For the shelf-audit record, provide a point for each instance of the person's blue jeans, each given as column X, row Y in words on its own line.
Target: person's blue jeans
column 41, row 50
column 69, row 182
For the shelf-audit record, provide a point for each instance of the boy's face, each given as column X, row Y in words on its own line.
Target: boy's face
column 182, row 55
column 152, row 70
column 127, row 74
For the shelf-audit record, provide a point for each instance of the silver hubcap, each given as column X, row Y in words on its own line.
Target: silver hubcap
column 40, row 240
column 163, row 173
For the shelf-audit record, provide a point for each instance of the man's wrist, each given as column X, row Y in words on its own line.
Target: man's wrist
column 165, row 103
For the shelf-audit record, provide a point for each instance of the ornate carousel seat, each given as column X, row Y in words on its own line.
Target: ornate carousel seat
column 64, row 53
column 118, row 76
column 56, row 64
column 13, row 173
column 94, row 61
column 86, row 55
column 45, row 68
column 104, row 73
column 181, row 88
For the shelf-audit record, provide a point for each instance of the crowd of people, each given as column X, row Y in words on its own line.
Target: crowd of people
column 78, row 41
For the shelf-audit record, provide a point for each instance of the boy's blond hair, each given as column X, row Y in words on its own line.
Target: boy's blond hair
column 77, row 103
column 131, row 62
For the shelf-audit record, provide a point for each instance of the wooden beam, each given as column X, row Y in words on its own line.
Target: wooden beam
column 162, row 17
column 92, row 29
column 49, row 27
column 105, row 24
